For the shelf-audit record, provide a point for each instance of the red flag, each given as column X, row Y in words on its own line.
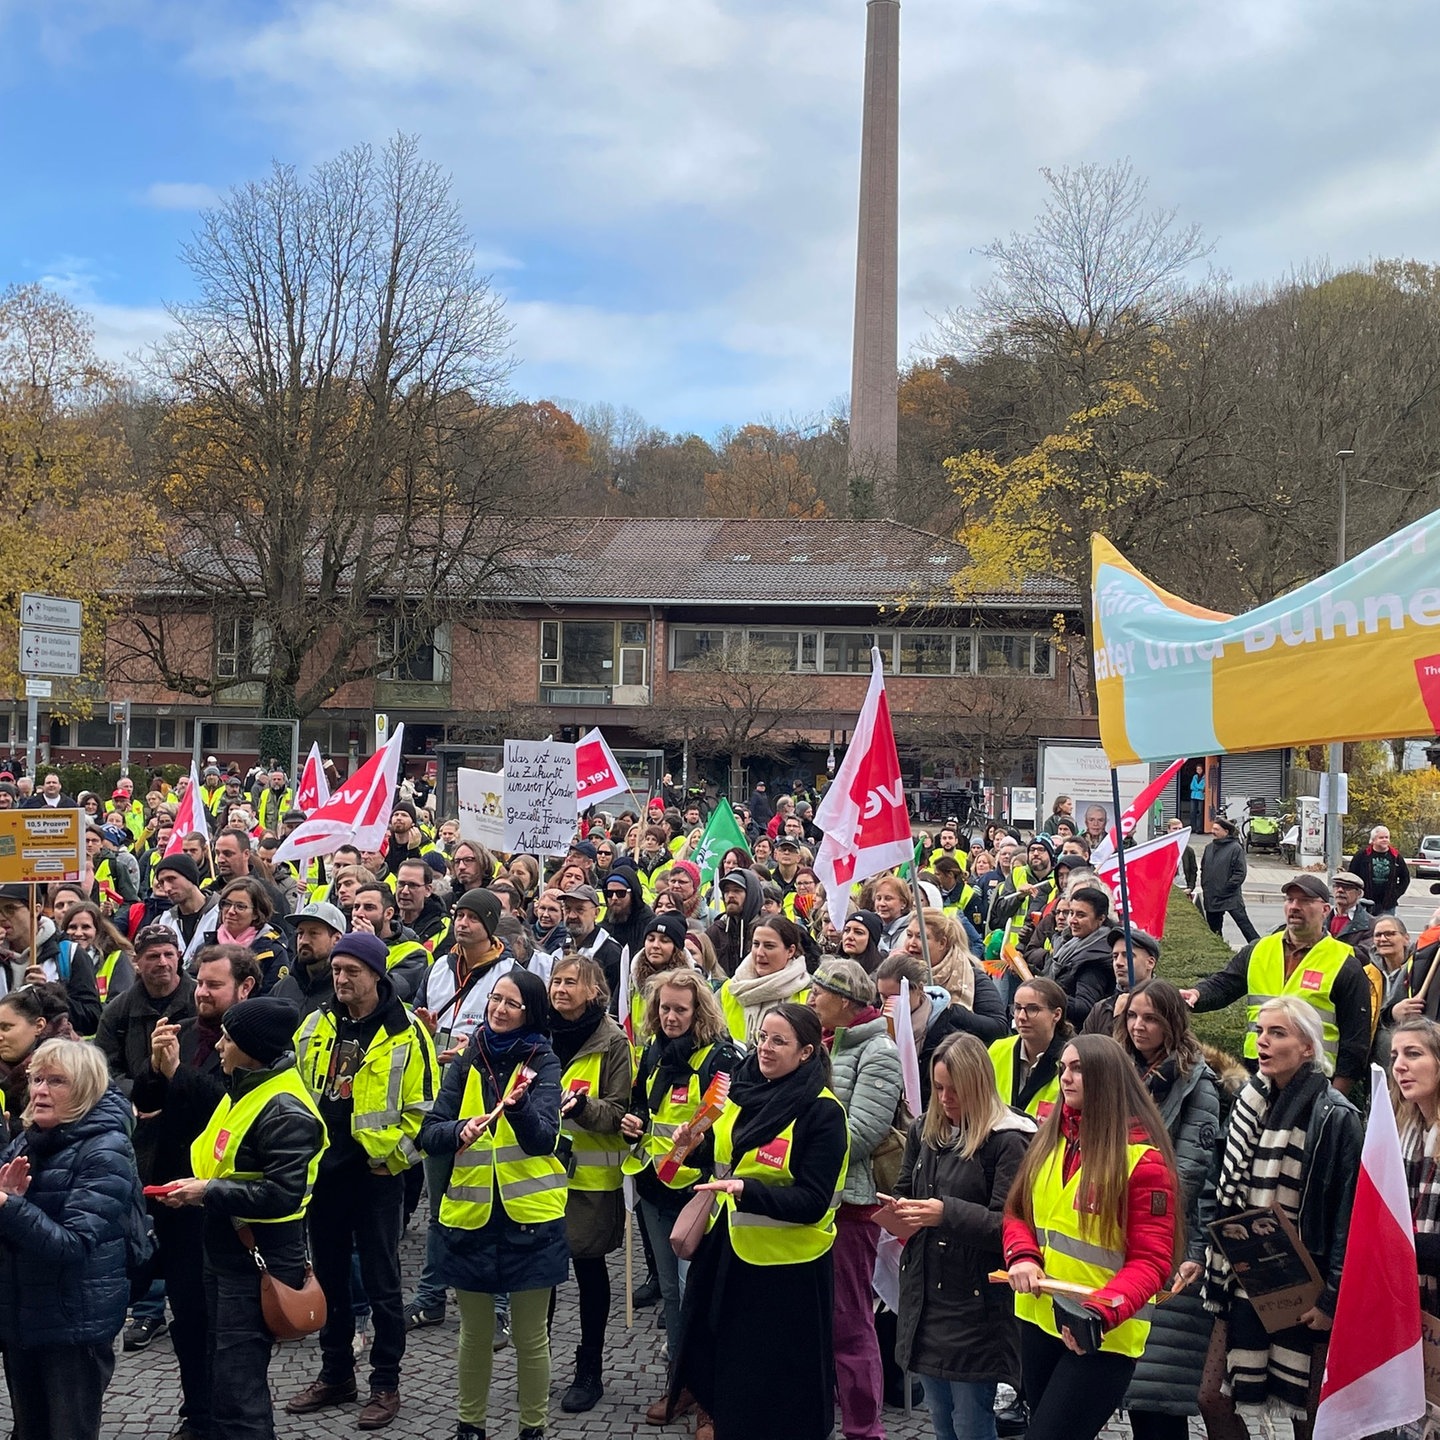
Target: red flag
column 1374, row 1372
column 314, row 790
column 1149, row 876
column 358, row 813
column 1130, row 817
column 597, row 772
column 189, row 816
column 863, row 815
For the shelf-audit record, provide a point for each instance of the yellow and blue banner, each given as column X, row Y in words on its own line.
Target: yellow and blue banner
column 1353, row 655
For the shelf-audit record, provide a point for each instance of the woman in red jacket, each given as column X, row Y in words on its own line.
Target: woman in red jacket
column 1094, row 1204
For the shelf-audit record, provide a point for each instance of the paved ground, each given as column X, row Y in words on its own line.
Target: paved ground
column 145, row 1393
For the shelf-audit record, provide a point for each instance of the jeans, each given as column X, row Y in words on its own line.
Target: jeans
column 430, row 1293
column 1197, row 816
column 151, row 1305
column 859, row 1379
column 1071, row 1396
column 240, row 1345
column 180, row 1234
column 1216, row 918
column 358, row 1211
column 56, row 1390
column 961, row 1409
column 670, row 1270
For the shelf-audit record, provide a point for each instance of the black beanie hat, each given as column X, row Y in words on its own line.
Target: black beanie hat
column 182, row 865
column 671, row 925
column 264, row 1028
column 368, row 949
column 485, row 905
column 870, row 920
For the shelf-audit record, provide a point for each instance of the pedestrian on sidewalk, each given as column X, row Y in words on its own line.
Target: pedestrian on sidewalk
column 1223, row 869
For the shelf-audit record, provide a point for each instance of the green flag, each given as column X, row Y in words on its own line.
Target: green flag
column 722, row 833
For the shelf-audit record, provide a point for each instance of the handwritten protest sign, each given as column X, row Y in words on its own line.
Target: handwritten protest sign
column 540, row 810
column 481, row 794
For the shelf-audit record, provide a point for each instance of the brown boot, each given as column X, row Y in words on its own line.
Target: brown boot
column 662, row 1413
column 320, row 1393
column 704, row 1425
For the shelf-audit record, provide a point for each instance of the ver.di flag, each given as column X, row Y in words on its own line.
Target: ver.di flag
column 722, row 833
column 1149, row 878
column 1174, row 679
column 1374, row 1369
column 358, row 813
column 314, row 789
column 865, row 824
column 598, row 775
column 1131, row 818
column 190, row 817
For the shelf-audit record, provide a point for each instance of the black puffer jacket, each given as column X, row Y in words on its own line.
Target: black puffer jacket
column 1223, row 869
column 954, row 1324
column 1083, row 969
column 1167, row 1379
column 62, row 1246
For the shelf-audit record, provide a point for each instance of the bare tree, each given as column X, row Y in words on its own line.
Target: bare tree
column 340, row 462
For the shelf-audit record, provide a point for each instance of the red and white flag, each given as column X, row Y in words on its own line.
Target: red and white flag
column 358, row 813
column 1374, row 1371
column 314, row 789
column 597, row 772
column 1130, row 817
column 862, row 813
column 1149, row 878
column 190, row 815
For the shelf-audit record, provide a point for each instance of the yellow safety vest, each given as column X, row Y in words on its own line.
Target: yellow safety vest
column 269, row 808
column 103, row 971
column 735, row 1011
column 403, row 950
column 533, row 1188
column 394, row 1087
column 1074, row 1254
column 1002, row 1057
column 212, row 1154
column 958, row 907
column 598, row 1157
column 678, row 1107
column 959, row 857
column 1312, row 980
column 761, row 1239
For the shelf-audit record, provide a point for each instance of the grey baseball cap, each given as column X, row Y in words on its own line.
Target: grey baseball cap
column 322, row 911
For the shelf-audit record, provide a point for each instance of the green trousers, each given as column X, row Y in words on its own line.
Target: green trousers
column 529, row 1334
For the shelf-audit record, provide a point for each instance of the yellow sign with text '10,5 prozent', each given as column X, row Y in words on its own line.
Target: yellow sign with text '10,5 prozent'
column 40, row 845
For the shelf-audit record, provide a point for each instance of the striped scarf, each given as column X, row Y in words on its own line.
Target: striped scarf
column 1263, row 1165
column 1420, row 1149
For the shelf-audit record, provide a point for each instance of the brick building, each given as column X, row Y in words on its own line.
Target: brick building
column 742, row 646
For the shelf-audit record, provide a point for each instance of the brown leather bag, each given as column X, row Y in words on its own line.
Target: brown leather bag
column 290, row 1314
column 689, row 1228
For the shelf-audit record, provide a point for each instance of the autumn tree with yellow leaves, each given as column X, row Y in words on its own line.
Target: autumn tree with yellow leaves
column 73, row 512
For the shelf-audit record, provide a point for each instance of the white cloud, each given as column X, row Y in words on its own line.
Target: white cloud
column 122, row 332
column 180, row 195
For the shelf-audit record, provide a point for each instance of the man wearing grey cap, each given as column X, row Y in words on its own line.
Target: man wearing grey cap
column 1350, row 918
column 588, row 937
column 314, row 931
column 1306, row 961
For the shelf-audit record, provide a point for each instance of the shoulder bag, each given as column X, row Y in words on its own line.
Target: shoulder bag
column 289, row 1313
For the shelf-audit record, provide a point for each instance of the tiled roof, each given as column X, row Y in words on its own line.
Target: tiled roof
column 700, row 561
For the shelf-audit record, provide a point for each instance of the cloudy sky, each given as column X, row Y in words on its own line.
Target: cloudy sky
column 665, row 190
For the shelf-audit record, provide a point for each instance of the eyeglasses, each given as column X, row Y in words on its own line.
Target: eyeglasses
column 409, row 884
column 503, row 1004
column 606, row 851
column 50, row 1082
column 235, row 905
column 1031, row 1010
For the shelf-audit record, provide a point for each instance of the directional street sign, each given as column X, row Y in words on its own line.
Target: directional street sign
column 38, row 690
column 49, row 652
column 50, row 612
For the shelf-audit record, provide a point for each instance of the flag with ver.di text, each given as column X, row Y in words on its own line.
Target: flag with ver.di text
column 722, row 833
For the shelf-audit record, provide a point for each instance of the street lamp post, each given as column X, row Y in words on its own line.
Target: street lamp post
column 1333, row 821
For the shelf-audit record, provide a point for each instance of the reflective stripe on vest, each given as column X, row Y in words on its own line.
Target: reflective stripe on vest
column 533, row 1188
column 1002, row 1057
column 762, row 1239
column 213, row 1152
column 598, row 1157
column 677, row 1107
column 1311, row 980
column 1073, row 1255
column 378, row 1093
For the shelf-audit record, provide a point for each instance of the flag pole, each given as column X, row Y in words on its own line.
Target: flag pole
column 1124, row 887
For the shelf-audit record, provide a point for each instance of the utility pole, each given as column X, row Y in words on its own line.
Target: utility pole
column 1333, row 820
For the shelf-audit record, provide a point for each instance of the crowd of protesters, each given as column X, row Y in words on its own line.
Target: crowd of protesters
column 298, row 1063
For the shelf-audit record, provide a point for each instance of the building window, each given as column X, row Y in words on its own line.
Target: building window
column 847, row 652
column 242, row 648
column 926, row 652
column 695, row 649
column 594, row 653
column 418, row 654
column 771, row 650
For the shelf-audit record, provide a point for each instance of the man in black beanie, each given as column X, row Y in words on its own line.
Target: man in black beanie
column 192, row 914
column 370, row 1067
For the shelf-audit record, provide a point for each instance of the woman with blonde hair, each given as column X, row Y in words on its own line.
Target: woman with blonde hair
column 957, row 971
column 1415, row 1094
column 688, row 1045
column 1094, row 1203
column 703, row 957
column 68, row 1192
column 957, row 1332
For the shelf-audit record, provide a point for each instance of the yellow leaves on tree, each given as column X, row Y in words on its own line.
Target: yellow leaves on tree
column 73, row 515
column 1035, row 513
column 1407, row 801
column 759, row 478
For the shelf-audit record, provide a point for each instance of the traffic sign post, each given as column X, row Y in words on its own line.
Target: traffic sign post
column 49, row 645
column 120, row 715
